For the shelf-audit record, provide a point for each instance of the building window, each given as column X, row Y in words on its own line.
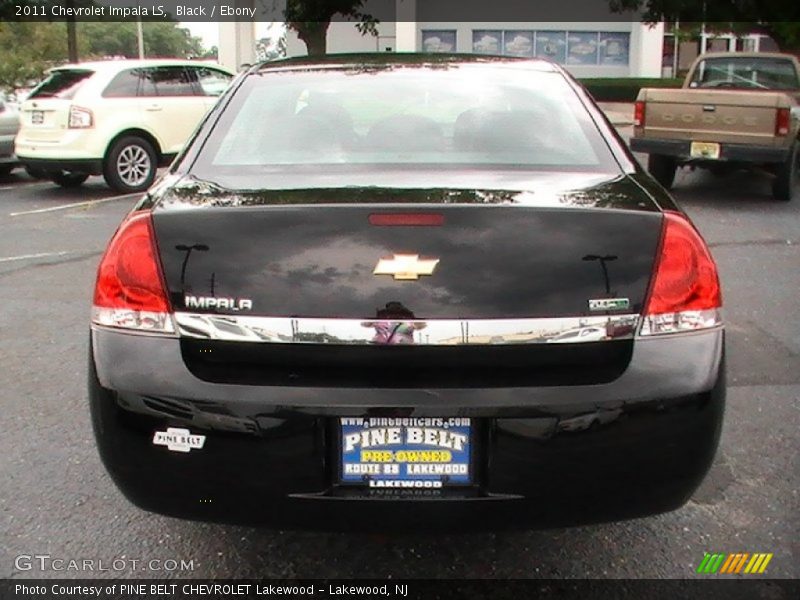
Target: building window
column 552, row 45
column 615, row 48
column 582, row 48
column 487, row 42
column 438, row 40
column 518, row 43
column 606, row 48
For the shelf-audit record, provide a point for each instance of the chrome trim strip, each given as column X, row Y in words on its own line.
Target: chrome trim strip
column 434, row 332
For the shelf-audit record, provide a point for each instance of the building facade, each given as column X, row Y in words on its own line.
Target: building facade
column 597, row 49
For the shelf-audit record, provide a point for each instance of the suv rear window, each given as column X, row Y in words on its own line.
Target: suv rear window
column 62, row 83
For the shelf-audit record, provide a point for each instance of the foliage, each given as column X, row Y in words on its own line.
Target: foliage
column 161, row 39
column 29, row 48
column 311, row 19
column 739, row 16
column 623, row 89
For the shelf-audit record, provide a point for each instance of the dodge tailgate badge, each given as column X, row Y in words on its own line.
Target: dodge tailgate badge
column 405, row 266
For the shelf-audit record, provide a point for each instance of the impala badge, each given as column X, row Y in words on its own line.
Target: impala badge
column 609, row 304
column 406, row 266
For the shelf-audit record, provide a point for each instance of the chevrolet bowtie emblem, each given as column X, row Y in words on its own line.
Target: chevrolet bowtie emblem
column 405, row 266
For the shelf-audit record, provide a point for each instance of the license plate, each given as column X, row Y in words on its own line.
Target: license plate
column 704, row 150
column 37, row 117
column 406, row 453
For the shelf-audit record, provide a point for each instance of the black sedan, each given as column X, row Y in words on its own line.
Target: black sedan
column 382, row 292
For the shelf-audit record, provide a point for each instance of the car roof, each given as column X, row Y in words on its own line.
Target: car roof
column 411, row 59
column 114, row 65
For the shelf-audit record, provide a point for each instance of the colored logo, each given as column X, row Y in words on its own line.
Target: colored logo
column 739, row 563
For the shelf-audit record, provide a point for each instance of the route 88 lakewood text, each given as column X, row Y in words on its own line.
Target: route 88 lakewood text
column 124, row 590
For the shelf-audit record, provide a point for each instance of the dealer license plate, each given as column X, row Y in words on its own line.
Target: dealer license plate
column 406, row 453
column 704, row 150
column 37, row 117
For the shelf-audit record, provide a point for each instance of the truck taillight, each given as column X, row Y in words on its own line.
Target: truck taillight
column 685, row 293
column 130, row 291
column 783, row 121
column 638, row 113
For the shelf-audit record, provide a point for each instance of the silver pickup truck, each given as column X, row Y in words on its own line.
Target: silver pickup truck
column 734, row 110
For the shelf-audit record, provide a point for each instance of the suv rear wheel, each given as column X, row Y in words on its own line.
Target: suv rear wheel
column 67, row 179
column 130, row 165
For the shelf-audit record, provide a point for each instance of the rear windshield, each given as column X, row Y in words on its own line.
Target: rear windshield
column 746, row 73
column 451, row 117
column 62, row 83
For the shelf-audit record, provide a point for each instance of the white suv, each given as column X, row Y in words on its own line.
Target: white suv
column 122, row 119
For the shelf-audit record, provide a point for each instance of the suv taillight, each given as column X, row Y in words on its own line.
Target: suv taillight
column 783, row 121
column 638, row 114
column 80, row 118
column 130, row 291
column 685, row 293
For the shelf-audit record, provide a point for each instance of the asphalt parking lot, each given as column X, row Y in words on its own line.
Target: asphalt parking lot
column 57, row 500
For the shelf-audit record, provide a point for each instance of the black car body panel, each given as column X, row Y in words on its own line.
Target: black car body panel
column 312, row 260
column 563, row 431
column 271, row 453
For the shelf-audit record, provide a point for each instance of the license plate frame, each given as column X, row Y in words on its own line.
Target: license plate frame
column 37, row 117
column 407, row 463
column 705, row 150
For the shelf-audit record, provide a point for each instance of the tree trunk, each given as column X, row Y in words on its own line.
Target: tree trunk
column 72, row 37
column 315, row 36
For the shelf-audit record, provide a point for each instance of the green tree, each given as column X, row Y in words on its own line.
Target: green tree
column 161, row 39
column 312, row 18
column 28, row 49
column 739, row 16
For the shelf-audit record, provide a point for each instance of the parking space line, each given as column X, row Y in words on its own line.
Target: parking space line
column 28, row 256
column 72, row 205
column 25, row 185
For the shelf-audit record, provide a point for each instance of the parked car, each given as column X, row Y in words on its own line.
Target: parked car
column 586, row 334
column 9, row 124
column 735, row 110
column 359, row 260
column 122, row 119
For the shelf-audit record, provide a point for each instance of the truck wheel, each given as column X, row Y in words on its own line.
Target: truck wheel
column 788, row 176
column 662, row 168
column 67, row 179
column 130, row 165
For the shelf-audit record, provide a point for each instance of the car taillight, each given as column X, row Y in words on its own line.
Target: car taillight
column 130, row 291
column 782, row 121
column 638, row 114
column 685, row 293
column 80, row 118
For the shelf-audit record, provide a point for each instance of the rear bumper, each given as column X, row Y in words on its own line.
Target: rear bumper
column 728, row 152
column 542, row 460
